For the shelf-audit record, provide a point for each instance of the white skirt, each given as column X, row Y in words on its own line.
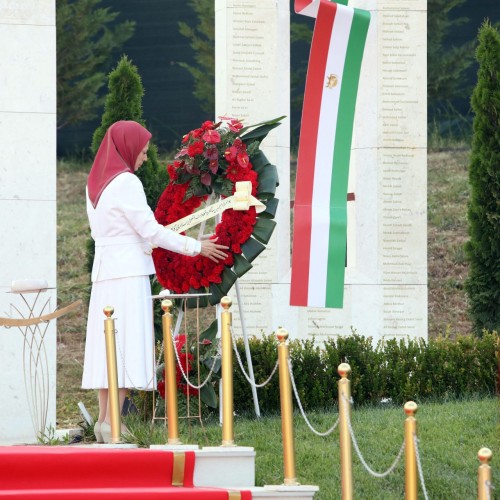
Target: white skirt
column 131, row 299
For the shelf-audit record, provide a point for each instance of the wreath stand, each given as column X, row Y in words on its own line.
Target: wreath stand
column 248, row 355
column 178, row 324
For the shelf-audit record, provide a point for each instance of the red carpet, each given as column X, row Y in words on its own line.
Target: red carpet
column 64, row 472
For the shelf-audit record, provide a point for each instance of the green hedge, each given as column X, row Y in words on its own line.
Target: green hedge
column 400, row 370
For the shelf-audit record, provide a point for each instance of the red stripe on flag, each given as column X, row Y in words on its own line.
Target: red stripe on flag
column 301, row 249
column 301, row 4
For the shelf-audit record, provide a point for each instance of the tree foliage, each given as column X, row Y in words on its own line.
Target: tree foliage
column 85, row 46
column 446, row 67
column 202, row 38
column 483, row 248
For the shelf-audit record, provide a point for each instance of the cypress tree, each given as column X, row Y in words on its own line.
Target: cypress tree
column 483, row 247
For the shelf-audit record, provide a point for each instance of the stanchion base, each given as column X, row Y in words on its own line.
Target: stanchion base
column 302, row 492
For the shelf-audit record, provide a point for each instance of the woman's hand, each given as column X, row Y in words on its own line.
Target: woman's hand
column 213, row 251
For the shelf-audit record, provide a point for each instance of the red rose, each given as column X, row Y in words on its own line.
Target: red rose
column 161, row 388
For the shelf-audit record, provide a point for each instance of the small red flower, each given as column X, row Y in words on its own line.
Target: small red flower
column 231, row 153
column 212, row 153
column 235, row 125
column 211, row 136
column 207, row 125
column 161, row 388
column 196, row 148
column 213, row 166
column 206, row 179
column 243, row 160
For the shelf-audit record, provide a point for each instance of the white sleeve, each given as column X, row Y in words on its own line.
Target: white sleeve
column 136, row 210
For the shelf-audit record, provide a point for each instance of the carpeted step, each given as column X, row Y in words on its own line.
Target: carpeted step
column 65, row 472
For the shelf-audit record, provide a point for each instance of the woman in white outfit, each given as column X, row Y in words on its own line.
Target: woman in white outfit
column 125, row 231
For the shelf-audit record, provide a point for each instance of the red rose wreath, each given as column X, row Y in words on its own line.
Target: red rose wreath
column 212, row 159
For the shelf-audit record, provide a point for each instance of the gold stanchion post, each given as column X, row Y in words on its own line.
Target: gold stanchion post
column 227, row 374
column 344, row 371
column 170, row 378
column 411, row 485
column 114, row 404
column 484, row 474
column 286, row 410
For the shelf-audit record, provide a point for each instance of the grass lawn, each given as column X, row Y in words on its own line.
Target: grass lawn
column 450, row 436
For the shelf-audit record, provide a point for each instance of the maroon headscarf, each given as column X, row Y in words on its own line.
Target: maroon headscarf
column 118, row 151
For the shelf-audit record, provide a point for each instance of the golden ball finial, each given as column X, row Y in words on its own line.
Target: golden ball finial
column 484, row 455
column 410, row 408
column 344, row 370
column 108, row 311
column 282, row 334
column 166, row 305
column 226, row 302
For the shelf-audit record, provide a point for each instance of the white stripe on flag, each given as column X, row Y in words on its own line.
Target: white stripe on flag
column 311, row 10
column 320, row 230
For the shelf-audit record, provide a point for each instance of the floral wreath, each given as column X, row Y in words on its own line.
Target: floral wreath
column 211, row 160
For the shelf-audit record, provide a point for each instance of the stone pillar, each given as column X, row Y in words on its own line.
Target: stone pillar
column 27, row 194
column 253, row 83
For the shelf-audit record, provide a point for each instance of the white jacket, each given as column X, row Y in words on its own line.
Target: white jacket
column 124, row 230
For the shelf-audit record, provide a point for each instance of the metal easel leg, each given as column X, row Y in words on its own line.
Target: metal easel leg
column 247, row 350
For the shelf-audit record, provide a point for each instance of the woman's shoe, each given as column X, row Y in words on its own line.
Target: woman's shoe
column 97, row 432
column 106, row 432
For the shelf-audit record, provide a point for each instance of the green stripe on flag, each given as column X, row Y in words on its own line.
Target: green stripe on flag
column 342, row 153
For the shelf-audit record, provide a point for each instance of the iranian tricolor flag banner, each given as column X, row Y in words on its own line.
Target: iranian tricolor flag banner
column 320, row 208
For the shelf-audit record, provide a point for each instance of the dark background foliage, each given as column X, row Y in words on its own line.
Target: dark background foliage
column 157, row 49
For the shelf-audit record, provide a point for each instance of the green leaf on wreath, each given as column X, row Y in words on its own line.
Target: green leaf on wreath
column 259, row 161
column 214, row 361
column 268, row 180
column 258, row 134
column 263, row 230
column 252, row 248
column 216, row 294
column 183, row 176
column 219, row 290
column 261, row 130
column 193, row 188
column 211, row 332
column 241, row 265
column 271, row 207
column 226, row 187
column 208, row 396
column 253, row 148
column 228, row 279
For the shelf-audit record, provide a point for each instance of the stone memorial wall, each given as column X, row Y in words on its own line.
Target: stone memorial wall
column 386, row 270
column 27, row 198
